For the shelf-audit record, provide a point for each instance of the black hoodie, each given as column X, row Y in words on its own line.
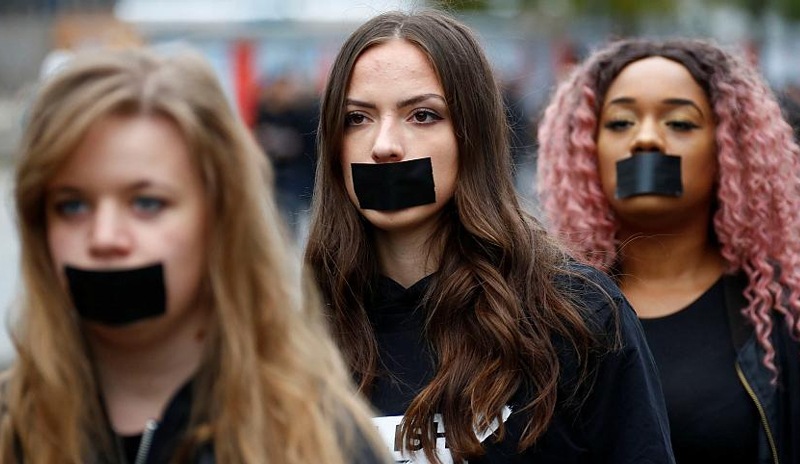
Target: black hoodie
column 622, row 420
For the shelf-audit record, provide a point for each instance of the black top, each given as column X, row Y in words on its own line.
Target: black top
column 168, row 434
column 623, row 419
column 130, row 446
column 171, row 429
column 407, row 363
column 778, row 399
column 711, row 415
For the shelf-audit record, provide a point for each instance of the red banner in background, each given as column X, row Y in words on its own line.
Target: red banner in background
column 244, row 80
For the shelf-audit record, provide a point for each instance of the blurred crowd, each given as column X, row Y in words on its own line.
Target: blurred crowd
column 288, row 113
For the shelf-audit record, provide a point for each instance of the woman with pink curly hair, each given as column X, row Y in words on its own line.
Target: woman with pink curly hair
column 669, row 164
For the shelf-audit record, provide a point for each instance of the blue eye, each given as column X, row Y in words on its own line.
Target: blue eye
column 70, row 208
column 149, row 205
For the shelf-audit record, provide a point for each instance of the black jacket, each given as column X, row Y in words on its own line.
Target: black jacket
column 778, row 405
column 171, row 429
column 159, row 445
column 622, row 420
column 164, row 440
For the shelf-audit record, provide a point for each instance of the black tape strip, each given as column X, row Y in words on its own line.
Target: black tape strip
column 394, row 186
column 649, row 173
column 118, row 297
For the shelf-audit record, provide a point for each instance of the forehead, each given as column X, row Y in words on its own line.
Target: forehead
column 656, row 77
column 396, row 61
column 124, row 147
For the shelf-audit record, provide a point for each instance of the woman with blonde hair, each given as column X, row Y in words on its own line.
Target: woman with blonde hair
column 472, row 334
column 164, row 316
column 668, row 163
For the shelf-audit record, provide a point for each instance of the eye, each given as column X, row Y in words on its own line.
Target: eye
column 682, row 126
column 70, row 207
column 617, row 125
column 424, row 116
column 354, row 119
column 148, row 205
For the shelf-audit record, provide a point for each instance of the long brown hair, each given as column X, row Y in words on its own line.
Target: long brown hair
column 493, row 306
column 271, row 387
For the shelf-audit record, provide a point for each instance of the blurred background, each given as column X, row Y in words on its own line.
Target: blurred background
column 272, row 58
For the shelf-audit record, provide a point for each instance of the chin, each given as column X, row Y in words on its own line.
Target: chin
column 645, row 203
column 408, row 219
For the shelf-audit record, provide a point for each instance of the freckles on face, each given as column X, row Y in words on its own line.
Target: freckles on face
column 128, row 196
column 395, row 111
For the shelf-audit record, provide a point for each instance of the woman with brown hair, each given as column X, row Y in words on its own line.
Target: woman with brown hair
column 471, row 333
column 164, row 318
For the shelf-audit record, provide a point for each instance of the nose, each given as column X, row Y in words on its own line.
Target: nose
column 388, row 144
column 109, row 236
column 647, row 138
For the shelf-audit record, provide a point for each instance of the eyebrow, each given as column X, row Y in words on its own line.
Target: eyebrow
column 132, row 187
column 401, row 104
column 668, row 101
column 62, row 190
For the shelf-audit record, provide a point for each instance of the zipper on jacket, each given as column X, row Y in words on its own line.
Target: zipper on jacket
column 762, row 414
column 147, row 440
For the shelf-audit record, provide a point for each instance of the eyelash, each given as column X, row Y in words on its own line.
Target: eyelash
column 349, row 118
column 69, row 208
column 682, row 126
column 428, row 114
column 142, row 204
column 148, row 205
column 618, row 125
column 356, row 118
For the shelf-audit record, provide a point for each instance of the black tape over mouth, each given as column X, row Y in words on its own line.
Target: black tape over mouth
column 649, row 173
column 394, row 186
column 120, row 296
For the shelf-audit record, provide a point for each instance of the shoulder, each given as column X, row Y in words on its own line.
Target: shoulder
column 578, row 278
column 604, row 308
column 591, row 291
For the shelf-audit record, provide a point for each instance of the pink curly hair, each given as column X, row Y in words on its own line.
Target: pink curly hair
column 757, row 220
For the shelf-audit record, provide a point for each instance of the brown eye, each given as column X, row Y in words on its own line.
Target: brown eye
column 354, row 119
column 682, row 126
column 425, row 117
column 617, row 125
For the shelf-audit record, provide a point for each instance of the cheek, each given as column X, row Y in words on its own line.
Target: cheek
column 607, row 156
column 701, row 163
column 184, row 255
column 354, row 149
column 607, row 172
column 64, row 248
column 347, row 176
column 446, row 179
column 445, row 172
column 62, row 245
column 699, row 174
column 346, row 158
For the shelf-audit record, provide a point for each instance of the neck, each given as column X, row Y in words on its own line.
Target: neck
column 657, row 257
column 663, row 272
column 138, row 379
column 404, row 257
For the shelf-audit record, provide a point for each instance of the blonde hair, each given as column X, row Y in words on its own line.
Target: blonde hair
column 272, row 387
